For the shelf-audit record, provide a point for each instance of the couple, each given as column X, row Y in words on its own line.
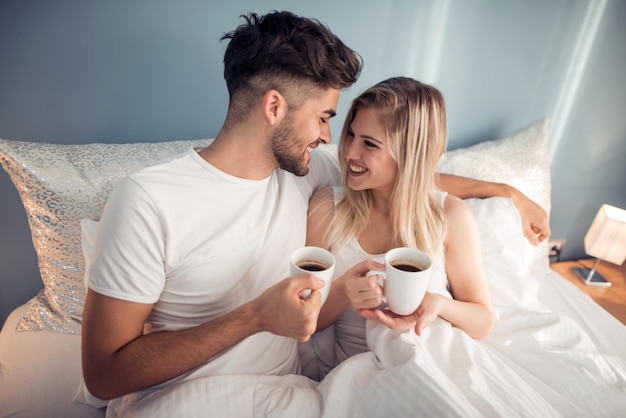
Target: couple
column 188, row 277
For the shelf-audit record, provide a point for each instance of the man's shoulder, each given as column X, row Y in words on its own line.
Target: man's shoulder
column 326, row 153
column 177, row 170
column 324, row 168
column 169, row 164
column 174, row 174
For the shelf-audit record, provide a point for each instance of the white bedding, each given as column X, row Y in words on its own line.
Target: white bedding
column 561, row 355
column 40, row 371
column 534, row 363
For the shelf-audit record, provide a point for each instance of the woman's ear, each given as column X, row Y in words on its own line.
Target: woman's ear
column 274, row 107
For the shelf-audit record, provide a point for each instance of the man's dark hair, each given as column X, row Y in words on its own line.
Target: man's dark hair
column 291, row 54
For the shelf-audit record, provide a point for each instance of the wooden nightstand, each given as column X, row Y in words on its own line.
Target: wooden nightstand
column 612, row 298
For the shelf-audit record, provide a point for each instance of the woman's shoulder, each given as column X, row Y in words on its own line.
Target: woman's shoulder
column 461, row 226
column 322, row 197
column 321, row 206
column 456, row 210
column 329, row 196
column 319, row 216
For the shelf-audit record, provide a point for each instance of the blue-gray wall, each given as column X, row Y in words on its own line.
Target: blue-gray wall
column 75, row 71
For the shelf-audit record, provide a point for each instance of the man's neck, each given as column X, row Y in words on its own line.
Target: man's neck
column 241, row 154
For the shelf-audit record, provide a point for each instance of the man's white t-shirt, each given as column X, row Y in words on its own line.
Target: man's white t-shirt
column 198, row 243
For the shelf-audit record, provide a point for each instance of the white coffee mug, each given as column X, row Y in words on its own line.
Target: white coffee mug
column 406, row 276
column 316, row 261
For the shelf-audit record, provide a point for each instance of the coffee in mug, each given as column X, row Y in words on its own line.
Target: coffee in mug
column 316, row 261
column 311, row 265
column 406, row 266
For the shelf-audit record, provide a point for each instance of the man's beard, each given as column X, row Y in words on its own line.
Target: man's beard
column 284, row 146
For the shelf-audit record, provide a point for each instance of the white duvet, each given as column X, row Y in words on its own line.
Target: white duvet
column 534, row 364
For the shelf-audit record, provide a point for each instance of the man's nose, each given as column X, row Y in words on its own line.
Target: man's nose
column 325, row 135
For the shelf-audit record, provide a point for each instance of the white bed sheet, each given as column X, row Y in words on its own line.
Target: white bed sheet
column 40, row 372
column 563, row 357
column 561, row 296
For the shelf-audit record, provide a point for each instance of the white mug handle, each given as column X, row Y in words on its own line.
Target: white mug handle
column 381, row 280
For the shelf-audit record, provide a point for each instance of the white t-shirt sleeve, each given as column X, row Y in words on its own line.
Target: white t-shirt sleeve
column 129, row 252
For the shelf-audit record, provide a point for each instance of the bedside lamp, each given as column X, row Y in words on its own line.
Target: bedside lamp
column 605, row 240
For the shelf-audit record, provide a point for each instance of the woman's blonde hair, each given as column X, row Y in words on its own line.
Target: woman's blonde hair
column 414, row 117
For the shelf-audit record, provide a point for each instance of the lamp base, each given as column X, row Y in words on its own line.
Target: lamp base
column 591, row 277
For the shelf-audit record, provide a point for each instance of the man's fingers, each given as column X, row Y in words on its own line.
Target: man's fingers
column 304, row 284
column 531, row 235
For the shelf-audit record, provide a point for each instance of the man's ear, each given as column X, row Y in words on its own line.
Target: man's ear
column 274, row 107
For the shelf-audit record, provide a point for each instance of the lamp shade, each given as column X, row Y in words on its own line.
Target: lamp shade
column 606, row 238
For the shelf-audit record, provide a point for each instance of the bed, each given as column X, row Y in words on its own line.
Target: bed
column 553, row 350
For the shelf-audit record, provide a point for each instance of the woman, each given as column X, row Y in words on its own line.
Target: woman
column 393, row 137
column 391, row 142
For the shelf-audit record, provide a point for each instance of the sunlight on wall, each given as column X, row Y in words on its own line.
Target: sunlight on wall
column 578, row 62
column 427, row 63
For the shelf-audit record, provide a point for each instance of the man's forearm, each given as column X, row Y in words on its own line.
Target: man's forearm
column 158, row 357
column 535, row 220
column 464, row 187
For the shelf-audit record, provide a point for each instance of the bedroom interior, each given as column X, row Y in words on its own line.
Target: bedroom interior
column 535, row 93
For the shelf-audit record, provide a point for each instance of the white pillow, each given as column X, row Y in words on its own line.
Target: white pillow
column 505, row 252
column 89, row 231
column 59, row 185
column 519, row 159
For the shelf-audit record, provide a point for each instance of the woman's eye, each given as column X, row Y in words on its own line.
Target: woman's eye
column 370, row 144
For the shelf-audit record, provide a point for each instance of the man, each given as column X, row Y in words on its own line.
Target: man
column 190, row 262
column 193, row 247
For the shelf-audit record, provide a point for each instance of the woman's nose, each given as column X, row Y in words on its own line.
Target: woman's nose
column 349, row 150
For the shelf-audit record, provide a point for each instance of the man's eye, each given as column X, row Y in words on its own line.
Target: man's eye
column 324, row 120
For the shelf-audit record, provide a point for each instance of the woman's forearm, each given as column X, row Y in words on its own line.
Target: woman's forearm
column 335, row 305
column 474, row 319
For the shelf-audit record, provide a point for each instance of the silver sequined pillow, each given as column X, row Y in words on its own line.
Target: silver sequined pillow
column 59, row 185
column 520, row 159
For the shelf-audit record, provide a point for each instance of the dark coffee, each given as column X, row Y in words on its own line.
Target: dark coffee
column 406, row 266
column 311, row 265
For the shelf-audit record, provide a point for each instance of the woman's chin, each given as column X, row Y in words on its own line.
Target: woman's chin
column 354, row 184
